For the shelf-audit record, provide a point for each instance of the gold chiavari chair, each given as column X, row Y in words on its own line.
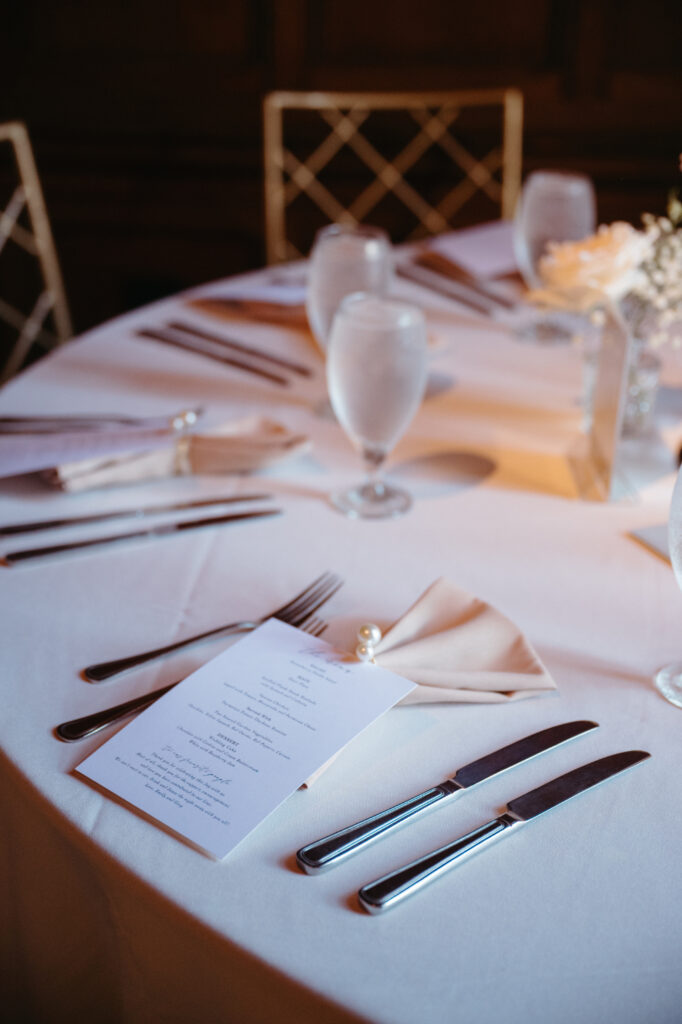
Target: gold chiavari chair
column 24, row 223
column 346, row 157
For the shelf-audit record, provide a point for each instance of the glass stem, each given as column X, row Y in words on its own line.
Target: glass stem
column 373, row 486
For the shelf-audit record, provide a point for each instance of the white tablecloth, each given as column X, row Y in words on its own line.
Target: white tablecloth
column 573, row 917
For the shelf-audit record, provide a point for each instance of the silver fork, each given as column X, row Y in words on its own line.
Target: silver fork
column 79, row 728
column 295, row 612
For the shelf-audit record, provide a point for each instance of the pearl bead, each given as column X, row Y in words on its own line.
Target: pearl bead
column 369, row 634
column 364, row 652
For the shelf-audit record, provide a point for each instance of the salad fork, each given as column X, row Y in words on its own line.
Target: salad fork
column 79, row 728
column 294, row 612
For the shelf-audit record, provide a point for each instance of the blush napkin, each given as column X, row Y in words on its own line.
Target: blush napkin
column 459, row 649
column 241, row 446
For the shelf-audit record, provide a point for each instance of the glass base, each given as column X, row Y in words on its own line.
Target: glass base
column 376, row 500
column 668, row 681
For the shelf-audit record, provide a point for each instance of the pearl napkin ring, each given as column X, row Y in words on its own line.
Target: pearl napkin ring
column 368, row 637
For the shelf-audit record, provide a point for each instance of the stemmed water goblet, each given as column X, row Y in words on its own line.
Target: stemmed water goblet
column 555, row 206
column 344, row 259
column 668, row 679
column 376, row 375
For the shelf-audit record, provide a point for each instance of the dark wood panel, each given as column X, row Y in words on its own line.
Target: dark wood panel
column 146, row 114
column 455, row 36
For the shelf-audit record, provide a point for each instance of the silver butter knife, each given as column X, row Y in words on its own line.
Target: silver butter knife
column 324, row 853
column 385, row 892
column 164, row 530
column 126, row 513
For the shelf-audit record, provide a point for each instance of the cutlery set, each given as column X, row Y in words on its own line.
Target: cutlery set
column 392, row 888
column 162, row 529
column 227, row 351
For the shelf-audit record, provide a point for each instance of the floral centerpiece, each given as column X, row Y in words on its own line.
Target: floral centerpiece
column 639, row 271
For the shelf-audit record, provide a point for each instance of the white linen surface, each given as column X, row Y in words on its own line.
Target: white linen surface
column 571, row 917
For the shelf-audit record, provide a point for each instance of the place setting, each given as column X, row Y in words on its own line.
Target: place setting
column 212, row 755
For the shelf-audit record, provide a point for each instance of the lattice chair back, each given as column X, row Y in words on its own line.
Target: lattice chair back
column 416, row 164
column 36, row 314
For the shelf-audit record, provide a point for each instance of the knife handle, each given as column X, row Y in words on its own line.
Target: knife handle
column 385, row 892
column 325, row 852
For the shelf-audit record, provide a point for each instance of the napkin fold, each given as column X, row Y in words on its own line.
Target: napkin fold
column 458, row 649
column 239, row 447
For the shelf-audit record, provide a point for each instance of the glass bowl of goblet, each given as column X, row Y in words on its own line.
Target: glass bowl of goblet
column 345, row 258
column 376, row 375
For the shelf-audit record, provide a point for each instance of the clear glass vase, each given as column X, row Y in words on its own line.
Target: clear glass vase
column 644, row 369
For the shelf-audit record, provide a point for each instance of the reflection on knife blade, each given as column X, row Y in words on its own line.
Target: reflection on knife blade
column 165, row 530
column 323, row 853
column 387, row 891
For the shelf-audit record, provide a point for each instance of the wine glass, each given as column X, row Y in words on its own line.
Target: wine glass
column 344, row 259
column 555, row 206
column 668, row 680
column 376, row 374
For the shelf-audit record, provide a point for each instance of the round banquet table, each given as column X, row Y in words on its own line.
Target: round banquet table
column 107, row 917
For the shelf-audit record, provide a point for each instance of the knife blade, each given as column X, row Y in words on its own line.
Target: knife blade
column 324, row 853
column 156, row 531
column 385, row 892
column 136, row 513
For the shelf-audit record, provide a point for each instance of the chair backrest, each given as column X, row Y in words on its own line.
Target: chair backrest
column 24, row 223
column 427, row 155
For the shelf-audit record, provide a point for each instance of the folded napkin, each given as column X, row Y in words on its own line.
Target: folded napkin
column 238, row 447
column 457, row 648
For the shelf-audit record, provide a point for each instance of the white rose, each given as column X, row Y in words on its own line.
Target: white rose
column 605, row 264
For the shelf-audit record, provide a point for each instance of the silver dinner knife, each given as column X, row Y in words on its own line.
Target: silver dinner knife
column 164, row 530
column 385, row 892
column 325, row 852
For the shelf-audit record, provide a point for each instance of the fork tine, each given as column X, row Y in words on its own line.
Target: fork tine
column 321, row 596
column 301, row 608
column 291, row 606
column 315, row 627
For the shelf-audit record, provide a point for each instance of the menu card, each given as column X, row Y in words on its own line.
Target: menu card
column 215, row 755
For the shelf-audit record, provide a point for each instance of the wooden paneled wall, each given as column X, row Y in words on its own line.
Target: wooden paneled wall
column 145, row 114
